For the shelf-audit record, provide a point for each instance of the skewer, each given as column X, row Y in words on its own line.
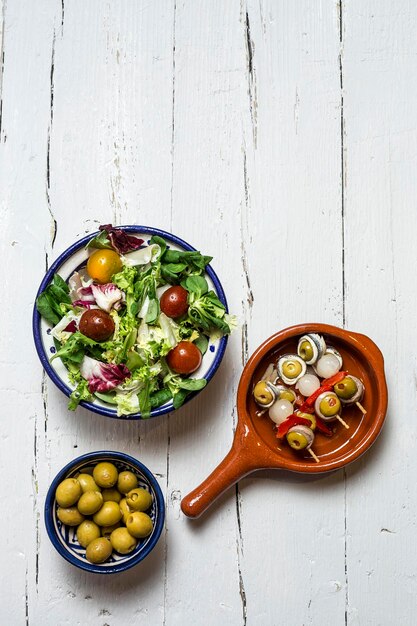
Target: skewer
column 342, row 421
column 360, row 407
column 315, row 457
column 259, row 413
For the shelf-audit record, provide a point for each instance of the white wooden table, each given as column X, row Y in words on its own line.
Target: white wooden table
column 280, row 137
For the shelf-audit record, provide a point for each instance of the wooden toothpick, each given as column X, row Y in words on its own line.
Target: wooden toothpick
column 315, row 457
column 360, row 407
column 342, row 421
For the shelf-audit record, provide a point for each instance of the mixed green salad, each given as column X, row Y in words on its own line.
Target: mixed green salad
column 133, row 324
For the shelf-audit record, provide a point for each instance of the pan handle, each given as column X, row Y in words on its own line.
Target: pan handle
column 239, row 462
column 233, row 467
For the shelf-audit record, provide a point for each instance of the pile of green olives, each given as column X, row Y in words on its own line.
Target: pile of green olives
column 108, row 509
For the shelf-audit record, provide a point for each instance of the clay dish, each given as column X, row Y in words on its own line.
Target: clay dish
column 255, row 445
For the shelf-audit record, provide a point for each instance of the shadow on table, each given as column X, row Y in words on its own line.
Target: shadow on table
column 146, row 575
column 327, row 482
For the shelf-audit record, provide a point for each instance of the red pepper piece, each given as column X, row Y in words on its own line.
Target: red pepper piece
column 327, row 385
column 292, row 420
column 309, row 402
column 299, row 400
column 305, row 409
column 333, row 380
column 323, row 428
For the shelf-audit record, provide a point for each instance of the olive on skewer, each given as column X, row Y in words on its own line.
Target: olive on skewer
column 311, row 347
column 302, row 438
column 290, row 368
column 308, row 416
column 328, row 406
column 264, row 394
column 350, row 390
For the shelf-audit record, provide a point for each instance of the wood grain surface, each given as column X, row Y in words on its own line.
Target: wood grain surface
column 279, row 137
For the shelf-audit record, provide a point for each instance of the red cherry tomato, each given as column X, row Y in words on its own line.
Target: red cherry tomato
column 174, row 301
column 96, row 324
column 184, row 358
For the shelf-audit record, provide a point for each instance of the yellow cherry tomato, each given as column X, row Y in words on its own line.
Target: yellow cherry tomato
column 102, row 264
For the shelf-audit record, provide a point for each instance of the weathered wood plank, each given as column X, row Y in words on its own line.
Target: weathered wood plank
column 209, row 92
column 25, row 235
column 292, row 548
column 379, row 54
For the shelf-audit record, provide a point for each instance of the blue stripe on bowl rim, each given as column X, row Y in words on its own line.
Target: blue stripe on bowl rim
column 84, row 460
column 36, row 320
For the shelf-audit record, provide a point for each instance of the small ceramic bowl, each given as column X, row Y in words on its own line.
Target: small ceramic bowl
column 255, row 445
column 74, row 258
column 64, row 537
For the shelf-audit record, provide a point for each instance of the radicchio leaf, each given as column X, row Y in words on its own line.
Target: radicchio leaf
column 71, row 328
column 103, row 377
column 108, row 296
column 80, row 288
column 68, row 324
column 121, row 241
column 87, row 304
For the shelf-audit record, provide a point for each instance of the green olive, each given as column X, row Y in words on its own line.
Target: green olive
column 106, row 531
column 287, row 394
column 330, row 405
column 139, row 524
column 111, row 494
column 87, row 482
column 122, row 541
column 262, row 393
column 310, row 417
column 98, row 550
column 68, row 492
column 87, row 531
column 305, row 350
column 139, row 499
column 108, row 515
column 105, row 474
column 124, row 509
column 297, row 441
column 126, row 482
column 70, row 516
column 291, row 368
column 346, row 388
column 90, row 502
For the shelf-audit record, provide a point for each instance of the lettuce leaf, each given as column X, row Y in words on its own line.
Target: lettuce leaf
column 51, row 303
column 81, row 392
column 127, row 403
column 207, row 312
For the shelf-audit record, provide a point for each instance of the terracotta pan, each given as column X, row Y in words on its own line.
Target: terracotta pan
column 255, row 446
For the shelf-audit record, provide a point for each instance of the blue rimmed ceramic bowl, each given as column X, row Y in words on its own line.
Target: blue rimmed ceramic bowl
column 73, row 259
column 64, row 537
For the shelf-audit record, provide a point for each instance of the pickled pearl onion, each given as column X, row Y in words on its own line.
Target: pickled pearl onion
column 280, row 410
column 327, row 366
column 308, row 384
